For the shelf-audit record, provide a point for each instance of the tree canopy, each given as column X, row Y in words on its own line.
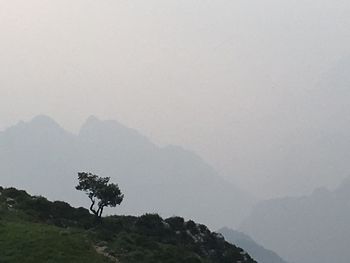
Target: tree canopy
column 101, row 193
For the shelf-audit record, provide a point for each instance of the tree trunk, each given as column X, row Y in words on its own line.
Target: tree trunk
column 101, row 211
column 92, row 207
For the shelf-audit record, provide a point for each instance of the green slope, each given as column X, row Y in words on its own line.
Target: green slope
column 33, row 229
column 32, row 243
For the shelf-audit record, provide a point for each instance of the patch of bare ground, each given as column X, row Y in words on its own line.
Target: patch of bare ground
column 103, row 250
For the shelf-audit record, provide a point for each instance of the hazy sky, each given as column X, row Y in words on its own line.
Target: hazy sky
column 240, row 82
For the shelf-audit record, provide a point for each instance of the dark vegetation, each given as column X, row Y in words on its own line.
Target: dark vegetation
column 33, row 229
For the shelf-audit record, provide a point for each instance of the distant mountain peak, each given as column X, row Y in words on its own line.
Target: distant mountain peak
column 92, row 119
column 37, row 123
column 44, row 121
column 111, row 130
column 92, row 122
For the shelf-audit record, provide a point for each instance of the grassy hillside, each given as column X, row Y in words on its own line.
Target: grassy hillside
column 33, row 229
column 32, row 242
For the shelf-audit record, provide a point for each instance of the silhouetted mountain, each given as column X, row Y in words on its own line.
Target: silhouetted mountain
column 256, row 251
column 309, row 229
column 44, row 158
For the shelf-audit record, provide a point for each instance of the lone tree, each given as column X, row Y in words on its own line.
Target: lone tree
column 100, row 191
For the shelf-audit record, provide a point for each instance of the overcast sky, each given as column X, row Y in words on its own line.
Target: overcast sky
column 243, row 83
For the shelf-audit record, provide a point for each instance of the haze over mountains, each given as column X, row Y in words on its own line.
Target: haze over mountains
column 43, row 158
column 248, row 85
column 259, row 90
column 256, row 251
column 309, row 229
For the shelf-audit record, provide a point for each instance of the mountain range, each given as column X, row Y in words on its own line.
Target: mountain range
column 43, row 158
column 308, row 229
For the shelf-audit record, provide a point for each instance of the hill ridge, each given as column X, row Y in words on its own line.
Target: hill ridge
column 30, row 226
